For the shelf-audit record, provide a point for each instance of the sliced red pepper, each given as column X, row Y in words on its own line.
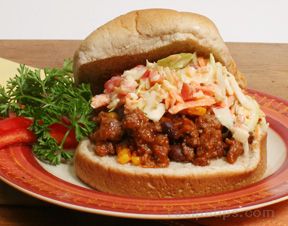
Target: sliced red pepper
column 17, row 148
column 58, row 131
column 186, row 92
column 16, row 136
column 14, row 123
column 155, row 77
column 15, row 130
column 113, row 82
column 146, row 74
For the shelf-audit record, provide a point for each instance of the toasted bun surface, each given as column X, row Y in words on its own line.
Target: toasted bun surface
column 150, row 34
column 178, row 180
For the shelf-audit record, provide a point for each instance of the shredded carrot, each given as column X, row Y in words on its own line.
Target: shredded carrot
column 201, row 62
column 207, row 101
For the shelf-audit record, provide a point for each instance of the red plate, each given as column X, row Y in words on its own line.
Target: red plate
column 19, row 168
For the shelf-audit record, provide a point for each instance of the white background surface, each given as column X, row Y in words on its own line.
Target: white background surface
column 238, row 21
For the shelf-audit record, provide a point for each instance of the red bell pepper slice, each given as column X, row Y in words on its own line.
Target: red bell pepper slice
column 186, row 92
column 14, row 123
column 15, row 130
column 58, row 131
column 113, row 82
column 16, row 136
column 146, row 74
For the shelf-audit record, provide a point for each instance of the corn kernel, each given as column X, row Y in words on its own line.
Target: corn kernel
column 196, row 111
column 113, row 115
column 135, row 159
column 124, row 156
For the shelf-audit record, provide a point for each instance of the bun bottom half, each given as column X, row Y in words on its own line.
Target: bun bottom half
column 178, row 180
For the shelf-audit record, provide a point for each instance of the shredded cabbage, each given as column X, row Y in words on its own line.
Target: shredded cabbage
column 224, row 116
column 155, row 113
column 253, row 116
column 158, row 88
column 240, row 96
column 240, row 134
column 220, row 80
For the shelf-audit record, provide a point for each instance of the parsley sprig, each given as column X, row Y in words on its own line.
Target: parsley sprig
column 47, row 99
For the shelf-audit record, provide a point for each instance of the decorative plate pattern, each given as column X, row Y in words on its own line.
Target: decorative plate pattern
column 19, row 168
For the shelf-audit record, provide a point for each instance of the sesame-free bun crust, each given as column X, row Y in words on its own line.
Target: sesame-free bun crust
column 177, row 180
column 150, row 34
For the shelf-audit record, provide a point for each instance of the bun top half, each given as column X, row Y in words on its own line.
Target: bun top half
column 149, row 34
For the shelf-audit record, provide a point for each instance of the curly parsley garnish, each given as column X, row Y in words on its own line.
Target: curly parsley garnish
column 47, row 99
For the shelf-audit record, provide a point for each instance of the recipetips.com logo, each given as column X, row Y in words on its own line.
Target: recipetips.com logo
column 265, row 213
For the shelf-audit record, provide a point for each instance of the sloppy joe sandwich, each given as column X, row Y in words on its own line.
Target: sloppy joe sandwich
column 173, row 117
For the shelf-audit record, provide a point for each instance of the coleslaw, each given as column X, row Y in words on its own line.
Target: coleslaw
column 184, row 82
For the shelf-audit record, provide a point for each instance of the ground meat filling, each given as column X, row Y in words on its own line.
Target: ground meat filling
column 146, row 139
column 109, row 132
column 180, row 138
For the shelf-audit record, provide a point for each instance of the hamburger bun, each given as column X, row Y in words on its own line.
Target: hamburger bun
column 150, row 34
column 130, row 40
